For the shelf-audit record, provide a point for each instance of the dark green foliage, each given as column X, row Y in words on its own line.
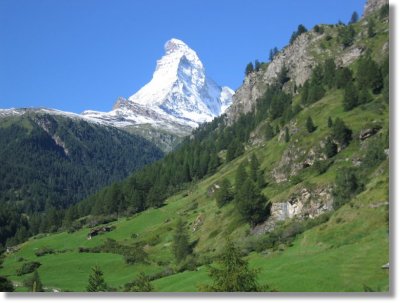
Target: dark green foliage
column 6, row 285
column 256, row 174
column 350, row 98
column 347, row 185
column 341, row 133
column 384, row 11
column 272, row 53
column 235, row 149
column 240, row 177
column 96, row 281
column 249, row 68
column 310, row 125
column 27, row 268
column 318, row 29
column 287, row 135
column 329, row 73
column 44, row 251
column 374, row 153
column 180, row 243
column 329, row 122
column 371, row 28
column 364, row 96
column 354, row 18
column 140, row 284
column 224, row 194
column 346, row 35
column 233, row 273
column 300, row 30
column 250, row 202
column 40, row 178
column 343, row 77
column 257, row 65
column 369, row 74
column 331, row 148
column 269, row 132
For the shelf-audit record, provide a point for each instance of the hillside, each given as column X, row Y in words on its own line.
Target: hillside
column 299, row 181
column 51, row 161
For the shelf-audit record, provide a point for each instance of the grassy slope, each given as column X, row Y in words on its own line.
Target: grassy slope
column 340, row 255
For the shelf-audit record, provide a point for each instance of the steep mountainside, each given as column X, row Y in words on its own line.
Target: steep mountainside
column 299, row 182
column 49, row 160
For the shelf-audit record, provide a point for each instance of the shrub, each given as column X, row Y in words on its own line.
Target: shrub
column 27, row 268
column 44, row 251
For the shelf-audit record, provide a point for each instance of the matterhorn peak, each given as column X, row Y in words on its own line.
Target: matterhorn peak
column 179, row 92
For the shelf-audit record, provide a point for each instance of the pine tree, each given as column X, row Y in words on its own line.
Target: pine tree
column 354, row 18
column 329, row 122
column 331, row 148
column 254, row 168
column 251, row 203
column 224, row 194
column 305, row 92
column 249, row 68
column 140, row 284
column 310, row 125
column 180, row 242
column 233, row 273
column 6, row 285
column 96, row 281
column 240, row 177
column 257, row 65
column 269, row 132
column 343, row 77
column 341, row 133
column 369, row 75
column 329, row 73
column 350, row 99
column 287, row 136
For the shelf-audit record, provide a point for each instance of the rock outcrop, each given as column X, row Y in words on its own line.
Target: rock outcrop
column 303, row 204
column 373, row 5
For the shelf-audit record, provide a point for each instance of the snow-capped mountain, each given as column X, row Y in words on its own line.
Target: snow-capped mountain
column 179, row 96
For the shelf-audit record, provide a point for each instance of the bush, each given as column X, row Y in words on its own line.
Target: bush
column 27, row 268
column 322, row 166
column 44, row 251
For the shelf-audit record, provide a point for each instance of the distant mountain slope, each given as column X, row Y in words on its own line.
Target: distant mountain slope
column 49, row 159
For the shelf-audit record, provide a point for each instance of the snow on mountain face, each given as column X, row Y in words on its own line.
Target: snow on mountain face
column 180, row 88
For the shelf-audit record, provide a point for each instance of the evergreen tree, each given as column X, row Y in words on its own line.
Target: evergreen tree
column 346, row 35
column 347, row 185
column 240, row 177
column 96, row 281
column 37, row 285
column 272, row 53
column 369, row 74
column 371, row 28
column 257, row 65
column 180, row 242
column 140, row 284
column 385, row 90
column 287, row 136
column 233, row 273
column 269, row 132
column 331, row 148
column 354, row 18
column 254, row 168
column 283, row 76
column 329, row 73
column 251, row 203
column 305, row 92
column 249, row 68
column 300, row 30
column 341, row 133
column 224, row 194
column 329, row 122
column 364, row 96
column 310, row 125
column 350, row 99
column 343, row 77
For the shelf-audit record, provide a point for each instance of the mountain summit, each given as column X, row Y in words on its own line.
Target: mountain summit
column 179, row 95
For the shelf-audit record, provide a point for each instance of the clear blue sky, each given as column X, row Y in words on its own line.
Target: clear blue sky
column 82, row 54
